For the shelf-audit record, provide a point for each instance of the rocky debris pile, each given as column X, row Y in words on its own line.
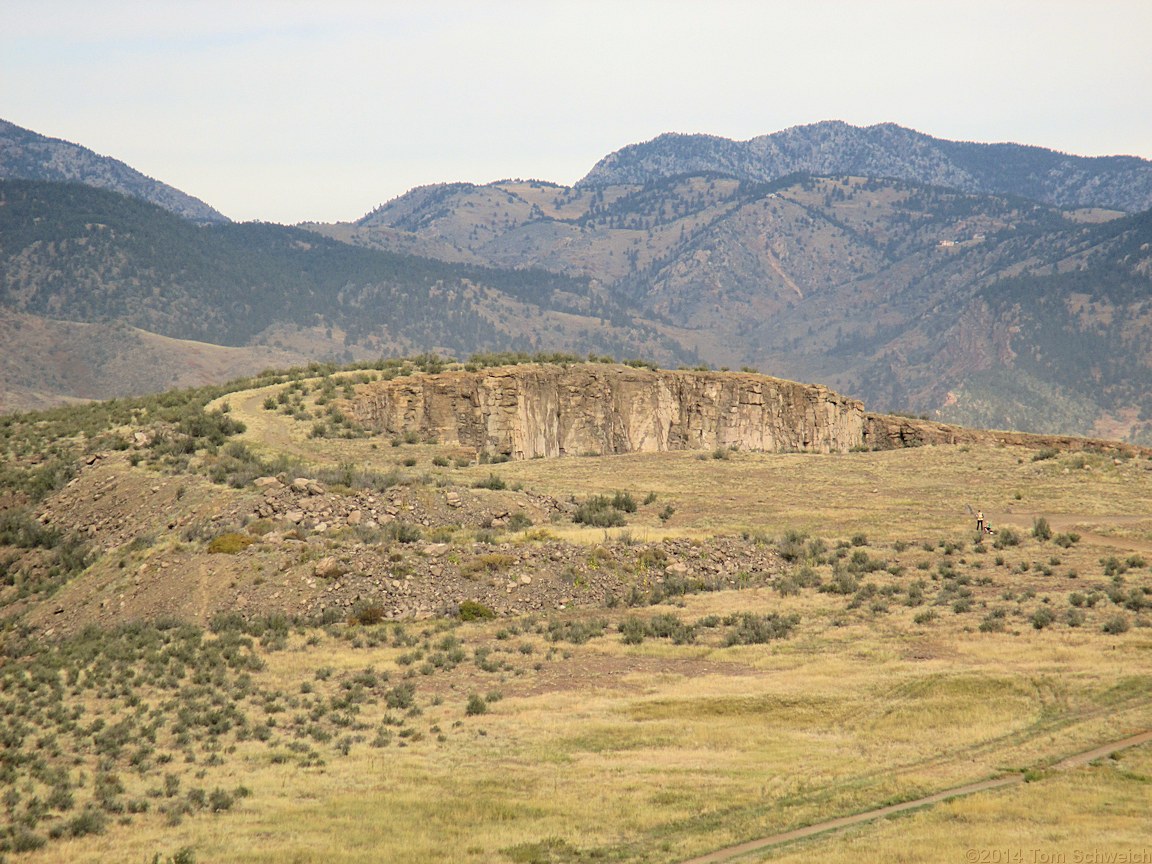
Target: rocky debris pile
column 307, row 550
column 109, row 507
column 425, row 579
column 306, row 503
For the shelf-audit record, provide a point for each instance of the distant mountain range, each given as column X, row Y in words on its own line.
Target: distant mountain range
column 79, row 254
column 994, row 285
column 915, row 298
column 889, row 151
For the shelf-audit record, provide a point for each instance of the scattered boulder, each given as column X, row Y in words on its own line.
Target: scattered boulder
column 329, row 568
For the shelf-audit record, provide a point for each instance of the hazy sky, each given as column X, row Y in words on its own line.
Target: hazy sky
column 292, row 111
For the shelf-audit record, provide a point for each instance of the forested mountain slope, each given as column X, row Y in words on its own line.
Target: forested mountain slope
column 75, row 253
column 887, row 289
column 888, row 150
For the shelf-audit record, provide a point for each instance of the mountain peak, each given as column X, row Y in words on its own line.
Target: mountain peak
column 28, row 155
column 834, row 147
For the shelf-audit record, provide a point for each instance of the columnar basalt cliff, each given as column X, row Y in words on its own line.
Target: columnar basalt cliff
column 554, row 410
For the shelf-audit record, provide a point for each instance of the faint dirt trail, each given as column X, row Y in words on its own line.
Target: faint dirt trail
column 1076, row 761
column 266, row 428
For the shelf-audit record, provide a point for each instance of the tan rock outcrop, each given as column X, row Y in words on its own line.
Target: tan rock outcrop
column 552, row 410
column 892, row 432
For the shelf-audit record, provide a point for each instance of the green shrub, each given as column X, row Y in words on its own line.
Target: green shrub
column 652, row 556
column 599, row 512
column 1113, row 566
column 367, row 614
column 401, row 532
column 1006, row 537
column 230, row 543
column 489, row 563
column 576, row 632
column 20, row 529
column 1042, row 617
column 401, row 697
column 632, row 630
column 85, row 823
column 753, row 629
column 518, row 521
column 791, row 547
column 842, row 582
column 470, row 610
column 1116, row 624
column 476, row 705
column 668, row 626
column 24, row 840
column 624, row 502
column 1041, row 530
column 492, row 481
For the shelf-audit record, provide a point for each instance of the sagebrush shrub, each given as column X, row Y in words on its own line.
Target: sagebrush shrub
column 231, row 543
column 470, row 610
column 599, row 512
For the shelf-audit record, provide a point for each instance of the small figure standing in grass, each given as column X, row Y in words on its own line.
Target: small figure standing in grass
column 979, row 521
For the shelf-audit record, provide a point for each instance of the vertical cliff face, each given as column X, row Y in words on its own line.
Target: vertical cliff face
column 551, row 410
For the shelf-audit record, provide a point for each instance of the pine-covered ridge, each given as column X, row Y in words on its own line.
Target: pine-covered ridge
column 888, row 150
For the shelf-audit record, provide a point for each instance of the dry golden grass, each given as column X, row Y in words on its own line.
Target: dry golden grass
column 1095, row 813
column 658, row 752
column 895, row 494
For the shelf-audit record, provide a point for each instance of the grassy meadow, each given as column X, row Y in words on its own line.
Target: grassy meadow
column 895, row 654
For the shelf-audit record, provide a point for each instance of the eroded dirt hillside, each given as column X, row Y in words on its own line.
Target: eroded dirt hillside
column 181, row 547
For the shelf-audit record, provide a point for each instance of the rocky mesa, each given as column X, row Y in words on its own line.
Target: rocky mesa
column 547, row 410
